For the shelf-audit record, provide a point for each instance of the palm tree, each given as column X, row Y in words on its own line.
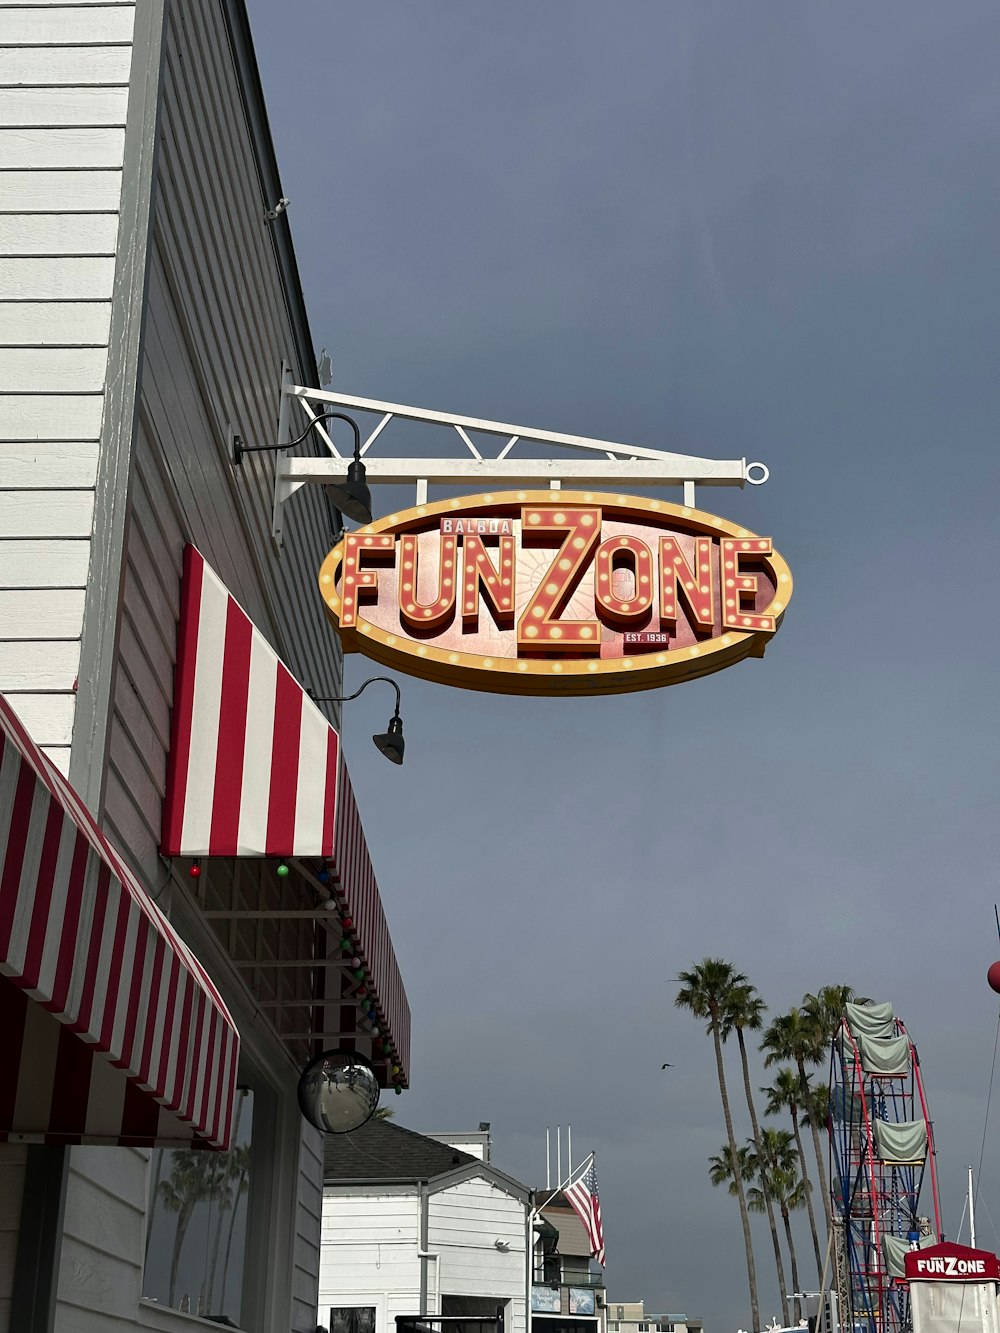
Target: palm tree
column 777, row 1170
column 797, row 1037
column 826, row 1008
column 222, row 1197
column 186, row 1186
column 225, row 1201
column 154, row 1195
column 783, row 1095
column 720, row 1166
column 705, row 991
column 744, row 1010
column 240, row 1158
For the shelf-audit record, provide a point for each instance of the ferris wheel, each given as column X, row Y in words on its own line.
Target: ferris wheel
column 881, row 1151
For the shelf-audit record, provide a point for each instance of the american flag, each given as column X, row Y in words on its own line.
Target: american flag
column 583, row 1195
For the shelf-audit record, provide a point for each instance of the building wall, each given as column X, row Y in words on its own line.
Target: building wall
column 100, row 1272
column 94, row 517
column 573, row 1238
column 216, row 336
column 64, row 87
column 464, row 1222
column 371, row 1237
column 64, row 96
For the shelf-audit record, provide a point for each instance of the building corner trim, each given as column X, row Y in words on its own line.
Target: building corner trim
column 105, row 582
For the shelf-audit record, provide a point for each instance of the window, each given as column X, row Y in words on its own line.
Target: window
column 196, row 1223
column 643, row 1328
column 352, row 1319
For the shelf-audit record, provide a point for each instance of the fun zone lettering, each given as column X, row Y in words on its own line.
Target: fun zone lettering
column 950, row 1266
column 573, row 590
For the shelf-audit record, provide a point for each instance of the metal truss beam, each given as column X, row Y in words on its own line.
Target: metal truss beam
column 609, row 464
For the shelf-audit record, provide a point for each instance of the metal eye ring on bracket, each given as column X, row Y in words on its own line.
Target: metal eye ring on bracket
column 758, row 480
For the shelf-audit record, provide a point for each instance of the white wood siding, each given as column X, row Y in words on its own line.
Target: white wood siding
column 64, row 71
column 464, row 1222
column 369, row 1254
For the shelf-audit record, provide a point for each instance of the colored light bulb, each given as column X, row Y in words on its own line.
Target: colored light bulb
column 282, row 870
column 195, row 870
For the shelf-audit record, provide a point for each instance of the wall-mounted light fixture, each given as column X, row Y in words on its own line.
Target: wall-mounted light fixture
column 390, row 742
column 352, row 495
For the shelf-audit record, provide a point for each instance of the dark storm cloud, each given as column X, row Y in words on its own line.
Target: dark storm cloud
column 762, row 230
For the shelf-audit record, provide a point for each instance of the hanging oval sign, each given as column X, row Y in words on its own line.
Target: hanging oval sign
column 555, row 592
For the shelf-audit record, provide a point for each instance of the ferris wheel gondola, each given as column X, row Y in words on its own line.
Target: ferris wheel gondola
column 881, row 1154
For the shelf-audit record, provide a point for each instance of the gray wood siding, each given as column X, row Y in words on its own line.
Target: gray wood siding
column 308, row 1228
column 64, row 73
column 100, row 1274
column 216, row 335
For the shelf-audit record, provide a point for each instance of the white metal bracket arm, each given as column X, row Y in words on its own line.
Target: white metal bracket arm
column 605, row 463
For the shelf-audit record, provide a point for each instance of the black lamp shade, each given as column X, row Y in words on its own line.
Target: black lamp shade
column 353, row 497
column 390, row 743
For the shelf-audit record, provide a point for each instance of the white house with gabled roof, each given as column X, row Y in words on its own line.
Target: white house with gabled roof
column 412, row 1227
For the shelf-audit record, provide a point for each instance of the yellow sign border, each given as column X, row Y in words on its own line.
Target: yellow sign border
column 513, row 675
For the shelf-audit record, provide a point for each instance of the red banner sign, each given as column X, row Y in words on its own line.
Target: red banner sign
column 948, row 1262
column 542, row 592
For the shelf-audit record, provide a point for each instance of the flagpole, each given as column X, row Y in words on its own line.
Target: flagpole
column 568, row 1181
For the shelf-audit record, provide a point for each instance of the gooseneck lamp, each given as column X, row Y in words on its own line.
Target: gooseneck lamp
column 390, row 742
column 352, row 496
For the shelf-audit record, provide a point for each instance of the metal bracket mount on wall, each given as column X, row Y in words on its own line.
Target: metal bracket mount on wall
column 606, row 464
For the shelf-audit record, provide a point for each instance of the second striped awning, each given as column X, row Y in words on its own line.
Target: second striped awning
column 111, row 1031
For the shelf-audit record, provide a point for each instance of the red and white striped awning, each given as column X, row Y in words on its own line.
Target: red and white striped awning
column 256, row 770
column 111, row 1031
column 253, row 762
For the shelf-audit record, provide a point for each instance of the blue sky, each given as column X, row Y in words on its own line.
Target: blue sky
column 761, row 230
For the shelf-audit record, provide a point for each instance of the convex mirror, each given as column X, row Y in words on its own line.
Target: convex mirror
column 338, row 1091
